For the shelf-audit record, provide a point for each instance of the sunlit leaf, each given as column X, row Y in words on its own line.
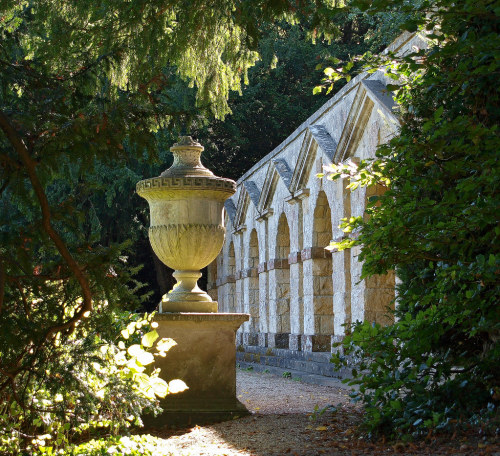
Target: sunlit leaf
column 176, row 386
column 149, row 338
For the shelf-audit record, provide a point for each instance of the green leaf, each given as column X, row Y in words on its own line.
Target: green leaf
column 149, row 338
column 145, row 358
column 160, row 386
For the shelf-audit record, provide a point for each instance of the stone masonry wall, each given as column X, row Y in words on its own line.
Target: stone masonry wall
column 274, row 265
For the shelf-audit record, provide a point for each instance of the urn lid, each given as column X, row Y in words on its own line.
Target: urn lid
column 186, row 174
column 187, row 161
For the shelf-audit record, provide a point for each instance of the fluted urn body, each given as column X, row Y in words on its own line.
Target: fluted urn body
column 187, row 227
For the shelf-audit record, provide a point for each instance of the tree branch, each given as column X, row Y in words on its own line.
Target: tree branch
column 30, row 166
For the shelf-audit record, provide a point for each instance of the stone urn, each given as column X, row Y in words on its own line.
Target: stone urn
column 187, row 227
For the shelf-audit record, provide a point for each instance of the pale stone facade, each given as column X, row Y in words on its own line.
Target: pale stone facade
column 274, row 265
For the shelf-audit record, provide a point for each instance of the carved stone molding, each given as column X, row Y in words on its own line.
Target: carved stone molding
column 173, row 243
column 265, row 215
column 188, row 183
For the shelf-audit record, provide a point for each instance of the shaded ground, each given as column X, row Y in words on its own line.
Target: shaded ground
column 284, row 422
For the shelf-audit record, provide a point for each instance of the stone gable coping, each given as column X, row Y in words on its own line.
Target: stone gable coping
column 262, row 267
column 304, row 162
column 270, row 182
column 313, row 253
column 378, row 92
column 324, row 140
column 241, row 207
column 230, row 209
column 397, row 46
column 253, row 192
column 283, row 170
column 294, row 258
column 278, row 263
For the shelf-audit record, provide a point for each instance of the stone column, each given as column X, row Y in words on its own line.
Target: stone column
column 296, row 301
column 263, row 305
column 341, row 263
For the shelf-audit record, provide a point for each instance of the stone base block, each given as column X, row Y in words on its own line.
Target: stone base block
column 204, row 358
column 316, row 343
column 295, row 342
column 250, row 339
column 278, row 340
column 262, row 339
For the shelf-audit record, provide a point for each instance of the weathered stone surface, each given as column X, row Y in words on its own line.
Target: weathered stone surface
column 204, row 358
column 297, row 216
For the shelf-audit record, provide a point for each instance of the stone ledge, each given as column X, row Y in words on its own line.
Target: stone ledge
column 314, row 253
column 225, row 279
column 249, row 272
column 265, row 215
column 294, row 258
column 278, row 263
column 198, row 317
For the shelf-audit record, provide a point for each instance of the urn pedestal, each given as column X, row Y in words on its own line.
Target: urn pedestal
column 187, row 233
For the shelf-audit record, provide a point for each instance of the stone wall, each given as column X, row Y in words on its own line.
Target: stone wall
column 274, row 265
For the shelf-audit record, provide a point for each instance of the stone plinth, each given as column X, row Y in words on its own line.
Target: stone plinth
column 204, row 358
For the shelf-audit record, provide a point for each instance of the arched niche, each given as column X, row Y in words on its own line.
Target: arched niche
column 279, row 287
column 253, row 287
column 318, row 283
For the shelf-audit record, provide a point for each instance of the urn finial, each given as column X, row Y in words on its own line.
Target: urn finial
column 187, row 161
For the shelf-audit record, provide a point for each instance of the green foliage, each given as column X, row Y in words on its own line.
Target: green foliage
column 100, row 383
column 438, row 366
column 135, row 445
column 85, row 90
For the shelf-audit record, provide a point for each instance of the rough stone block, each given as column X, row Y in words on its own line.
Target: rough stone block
column 326, row 324
column 323, row 305
column 295, row 342
column 322, row 267
column 378, row 299
column 316, row 343
column 204, row 358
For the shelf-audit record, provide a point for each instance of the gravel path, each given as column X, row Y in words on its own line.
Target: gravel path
column 281, row 424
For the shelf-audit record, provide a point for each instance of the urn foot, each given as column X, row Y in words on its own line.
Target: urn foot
column 167, row 306
column 186, row 296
